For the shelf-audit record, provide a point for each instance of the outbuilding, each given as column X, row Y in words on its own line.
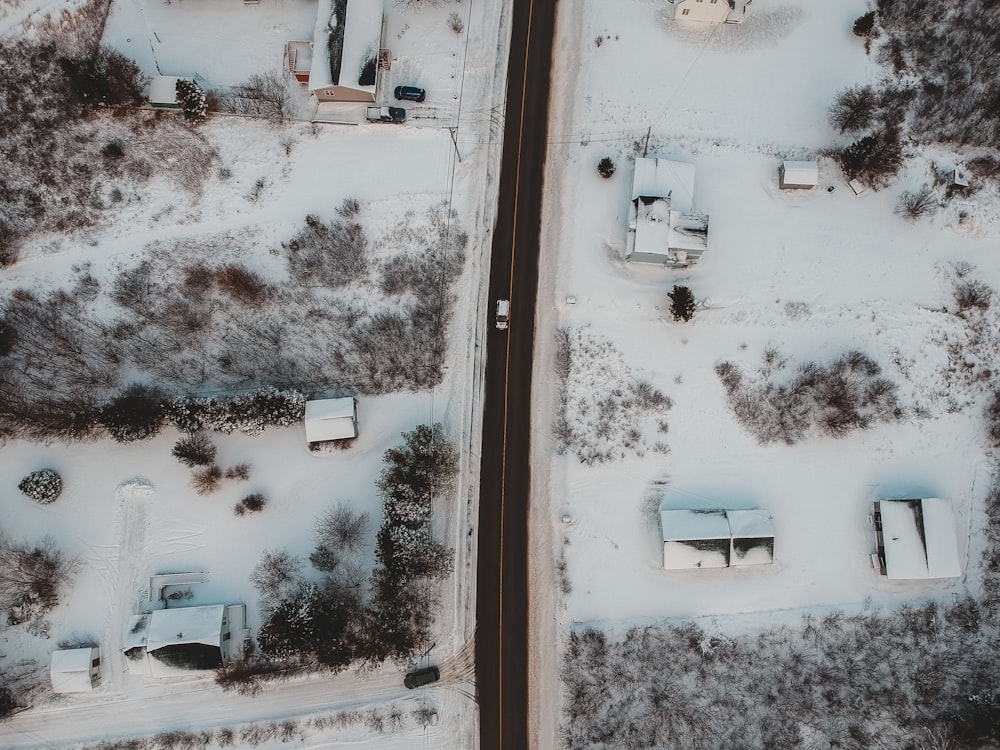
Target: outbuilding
column 716, row 538
column 800, row 175
column 331, row 419
column 915, row 538
column 75, row 670
column 163, row 92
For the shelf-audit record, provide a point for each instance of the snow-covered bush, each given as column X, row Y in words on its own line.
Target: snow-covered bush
column 43, row 486
column 238, row 471
column 191, row 99
column 914, row 204
column 31, row 576
column 682, row 305
column 606, row 167
column 332, row 253
column 603, row 405
column 137, row 414
column 854, row 109
column 195, row 450
column 253, row 503
column 864, row 26
column 249, row 413
column 848, row 394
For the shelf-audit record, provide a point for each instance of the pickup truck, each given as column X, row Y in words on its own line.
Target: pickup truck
column 385, row 114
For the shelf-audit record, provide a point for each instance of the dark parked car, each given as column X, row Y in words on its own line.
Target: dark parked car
column 410, row 93
column 422, row 677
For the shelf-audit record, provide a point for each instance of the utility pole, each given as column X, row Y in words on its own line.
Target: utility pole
column 645, row 148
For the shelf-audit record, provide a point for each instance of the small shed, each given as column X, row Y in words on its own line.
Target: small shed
column 163, row 92
column 75, row 670
column 798, row 175
column 331, row 419
column 916, row 538
column 959, row 180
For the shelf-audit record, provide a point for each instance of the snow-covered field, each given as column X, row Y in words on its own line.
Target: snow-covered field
column 812, row 274
column 128, row 511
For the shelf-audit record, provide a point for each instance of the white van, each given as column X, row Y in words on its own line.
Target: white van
column 503, row 314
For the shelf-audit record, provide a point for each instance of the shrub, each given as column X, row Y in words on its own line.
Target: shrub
column 43, row 486
column 239, row 471
column 455, row 23
column 135, row 415
column 605, row 167
column 242, row 284
column 864, row 26
column 206, row 481
column 195, row 450
column 973, row 294
column 913, row 205
column 682, row 305
column 254, row 503
column 276, row 575
column 31, row 576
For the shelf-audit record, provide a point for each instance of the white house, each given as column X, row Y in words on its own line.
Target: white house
column 711, row 11
column 915, row 539
column 798, row 174
column 75, row 670
column 716, row 538
column 341, row 64
column 663, row 226
column 331, row 419
column 188, row 638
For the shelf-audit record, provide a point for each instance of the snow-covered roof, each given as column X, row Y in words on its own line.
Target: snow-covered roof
column 330, row 419
column 170, row 627
column 70, row 670
column 362, row 37
column 801, row 173
column 919, row 538
column 163, row 90
column 662, row 178
column 708, row 538
column 688, row 231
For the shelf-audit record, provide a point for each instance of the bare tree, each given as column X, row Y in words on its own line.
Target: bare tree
column 261, row 95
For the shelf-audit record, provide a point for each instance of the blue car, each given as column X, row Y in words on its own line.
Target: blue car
column 410, row 94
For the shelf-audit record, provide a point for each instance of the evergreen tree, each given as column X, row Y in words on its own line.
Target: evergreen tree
column 191, row 99
column 681, row 303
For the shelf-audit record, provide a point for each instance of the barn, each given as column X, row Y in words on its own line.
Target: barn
column 716, row 538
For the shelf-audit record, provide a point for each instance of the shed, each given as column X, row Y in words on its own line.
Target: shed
column 331, row 419
column 959, row 179
column 916, row 538
column 798, row 175
column 75, row 670
column 163, row 92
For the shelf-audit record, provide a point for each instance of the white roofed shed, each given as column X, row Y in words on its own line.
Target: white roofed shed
column 75, row 670
column 695, row 539
column 331, row 419
column 798, row 174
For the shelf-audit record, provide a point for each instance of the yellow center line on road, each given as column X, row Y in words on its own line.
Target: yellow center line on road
column 506, row 377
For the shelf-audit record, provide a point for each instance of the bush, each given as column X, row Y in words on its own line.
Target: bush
column 973, row 294
column 206, row 481
column 913, row 205
column 864, row 26
column 137, row 414
column 43, row 486
column 605, row 167
column 276, row 575
column 239, row 471
column 254, row 503
column 261, row 95
column 242, row 284
column 248, row 413
column 195, row 450
column 455, row 23
column 682, row 305
column 31, row 576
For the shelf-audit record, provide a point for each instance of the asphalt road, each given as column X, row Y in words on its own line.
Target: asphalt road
column 505, row 477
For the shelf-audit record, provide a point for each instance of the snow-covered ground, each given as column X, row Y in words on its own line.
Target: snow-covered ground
column 128, row 511
column 813, row 274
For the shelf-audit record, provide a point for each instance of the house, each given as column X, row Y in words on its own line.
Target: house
column 331, row 419
column 663, row 226
column 711, row 11
column 801, row 175
column 716, row 538
column 915, row 538
column 75, row 670
column 163, row 92
column 188, row 638
column 341, row 62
